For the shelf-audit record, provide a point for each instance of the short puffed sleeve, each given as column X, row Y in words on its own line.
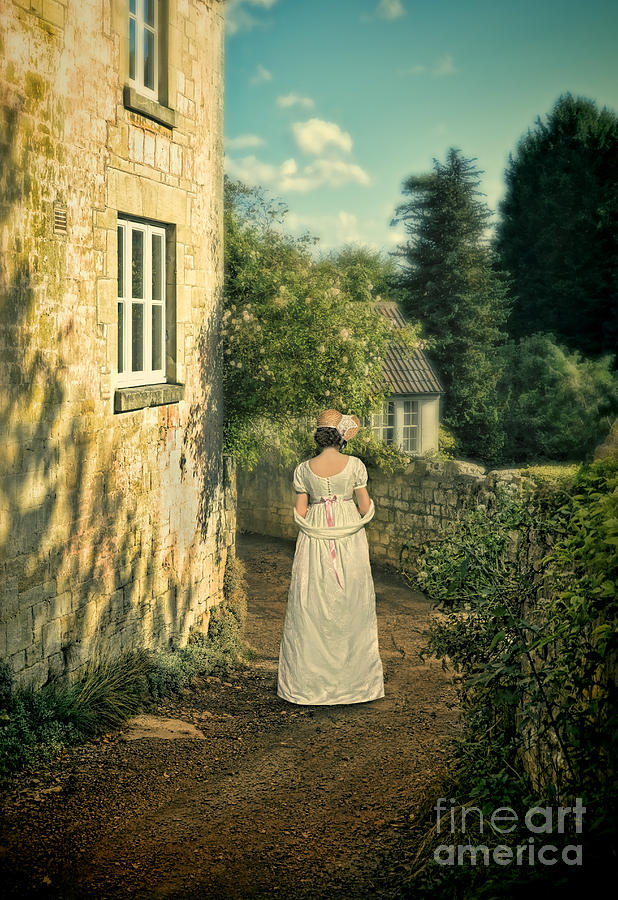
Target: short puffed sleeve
column 298, row 481
column 360, row 474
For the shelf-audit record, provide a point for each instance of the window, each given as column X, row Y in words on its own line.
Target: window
column 141, row 303
column 384, row 422
column 144, row 46
column 147, row 89
column 411, row 426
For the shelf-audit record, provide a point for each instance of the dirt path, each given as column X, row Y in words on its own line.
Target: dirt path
column 262, row 798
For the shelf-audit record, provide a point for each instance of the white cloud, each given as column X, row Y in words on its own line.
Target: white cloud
column 237, row 16
column 290, row 177
column 390, row 9
column 286, row 100
column 324, row 172
column 289, row 167
column 261, row 75
column 314, row 135
column 244, row 142
column 396, row 236
column 444, row 66
column 333, row 229
column 343, row 227
column 250, row 170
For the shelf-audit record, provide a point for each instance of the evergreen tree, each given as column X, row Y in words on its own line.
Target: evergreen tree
column 558, row 230
column 449, row 282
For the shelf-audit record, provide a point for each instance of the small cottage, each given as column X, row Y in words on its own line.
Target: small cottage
column 410, row 418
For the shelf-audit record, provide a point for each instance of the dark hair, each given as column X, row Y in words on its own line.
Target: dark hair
column 328, row 436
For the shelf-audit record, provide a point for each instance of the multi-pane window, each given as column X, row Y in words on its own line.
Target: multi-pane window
column 143, row 46
column 411, row 430
column 384, row 422
column 141, row 303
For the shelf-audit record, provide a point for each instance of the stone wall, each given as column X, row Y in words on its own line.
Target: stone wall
column 114, row 527
column 411, row 508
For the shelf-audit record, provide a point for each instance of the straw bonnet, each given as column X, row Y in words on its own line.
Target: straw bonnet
column 347, row 426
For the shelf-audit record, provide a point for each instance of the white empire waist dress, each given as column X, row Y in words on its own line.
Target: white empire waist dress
column 329, row 647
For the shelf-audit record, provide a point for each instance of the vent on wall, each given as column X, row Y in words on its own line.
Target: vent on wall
column 60, row 218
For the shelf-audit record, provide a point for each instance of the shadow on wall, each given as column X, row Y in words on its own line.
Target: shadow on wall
column 202, row 436
column 65, row 538
column 77, row 552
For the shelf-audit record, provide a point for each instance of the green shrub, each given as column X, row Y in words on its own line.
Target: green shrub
column 35, row 728
column 536, row 668
column 221, row 650
column 555, row 404
column 448, row 443
column 388, row 458
column 6, row 687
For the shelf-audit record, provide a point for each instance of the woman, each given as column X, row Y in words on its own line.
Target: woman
column 329, row 647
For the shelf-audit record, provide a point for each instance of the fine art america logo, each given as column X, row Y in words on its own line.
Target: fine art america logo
column 539, row 820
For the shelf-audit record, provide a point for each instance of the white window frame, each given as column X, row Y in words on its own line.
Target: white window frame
column 147, row 375
column 138, row 17
column 379, row 422
column 411, row 429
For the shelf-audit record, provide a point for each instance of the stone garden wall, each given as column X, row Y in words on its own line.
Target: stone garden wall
column 411, row 508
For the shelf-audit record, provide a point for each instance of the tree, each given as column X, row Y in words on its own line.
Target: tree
column 557, row 405
column 450, row 284
column 558, row 229
column 364, row 274
column 293, row 342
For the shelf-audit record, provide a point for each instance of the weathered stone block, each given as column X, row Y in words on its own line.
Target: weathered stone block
column 107, row 298
column 33, row 653
column 52, row 637
column 19, row 633
column 17, row 662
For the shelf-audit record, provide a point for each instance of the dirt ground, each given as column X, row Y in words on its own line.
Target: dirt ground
column 232, row 792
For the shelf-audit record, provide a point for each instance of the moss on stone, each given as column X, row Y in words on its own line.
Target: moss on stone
column 35, row 88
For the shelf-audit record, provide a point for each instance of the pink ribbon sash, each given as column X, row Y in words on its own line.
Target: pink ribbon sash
column 331, row 522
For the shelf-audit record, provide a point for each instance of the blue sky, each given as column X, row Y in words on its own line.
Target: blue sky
column 332, row 104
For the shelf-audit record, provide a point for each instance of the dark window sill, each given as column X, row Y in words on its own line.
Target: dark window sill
column 127, row 399
column 147, row 107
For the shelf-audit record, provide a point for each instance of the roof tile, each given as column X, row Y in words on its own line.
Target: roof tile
column 407, row 371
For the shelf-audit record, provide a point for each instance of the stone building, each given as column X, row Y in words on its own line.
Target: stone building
column 116, row 512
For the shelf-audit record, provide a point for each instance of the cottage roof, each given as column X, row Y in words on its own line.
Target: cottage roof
column 407, row 371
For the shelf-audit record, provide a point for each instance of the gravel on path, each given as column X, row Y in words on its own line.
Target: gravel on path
column 230, row 791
